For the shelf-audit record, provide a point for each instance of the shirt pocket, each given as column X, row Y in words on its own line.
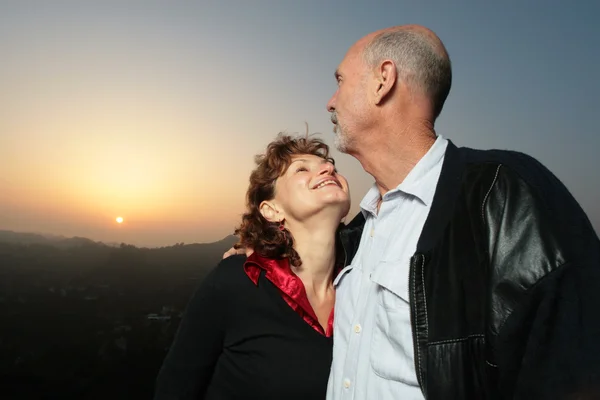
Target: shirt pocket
column 392, row 353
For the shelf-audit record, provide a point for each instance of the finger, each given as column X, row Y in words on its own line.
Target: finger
column 229, row 253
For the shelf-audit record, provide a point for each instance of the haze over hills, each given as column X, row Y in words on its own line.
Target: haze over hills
column 7, row 236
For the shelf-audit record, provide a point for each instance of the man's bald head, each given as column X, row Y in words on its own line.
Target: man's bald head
column 421, row 59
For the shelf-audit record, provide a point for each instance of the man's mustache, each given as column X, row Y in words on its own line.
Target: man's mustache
column 334, row 118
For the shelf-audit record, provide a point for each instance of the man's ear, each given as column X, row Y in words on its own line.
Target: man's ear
column 269, row 211
column 386, row 77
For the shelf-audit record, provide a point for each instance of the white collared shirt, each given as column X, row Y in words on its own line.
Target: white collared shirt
column 373, row 356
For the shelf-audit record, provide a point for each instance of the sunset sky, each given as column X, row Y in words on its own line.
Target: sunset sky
column 153, row 110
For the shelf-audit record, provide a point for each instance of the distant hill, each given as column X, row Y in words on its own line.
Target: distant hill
column 37, row 238
column 85, row 320
column 76, row 241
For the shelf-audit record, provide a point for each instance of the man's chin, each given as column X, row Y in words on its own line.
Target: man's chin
column 340, row 143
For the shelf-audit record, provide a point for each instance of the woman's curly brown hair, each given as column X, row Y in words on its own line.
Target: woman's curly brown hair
column 255, row 231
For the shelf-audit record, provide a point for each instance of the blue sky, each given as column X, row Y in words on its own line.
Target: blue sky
column 154, row 109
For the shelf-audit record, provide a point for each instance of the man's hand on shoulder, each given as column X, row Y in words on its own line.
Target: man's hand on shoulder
column 233, row 252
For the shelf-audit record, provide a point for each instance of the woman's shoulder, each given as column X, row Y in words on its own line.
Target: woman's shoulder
column 231, row 265
column 229, row 272
column 224, row 282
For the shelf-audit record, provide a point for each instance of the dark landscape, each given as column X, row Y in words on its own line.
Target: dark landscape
column 87, row 320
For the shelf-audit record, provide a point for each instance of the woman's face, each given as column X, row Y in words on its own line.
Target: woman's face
column 312, row 186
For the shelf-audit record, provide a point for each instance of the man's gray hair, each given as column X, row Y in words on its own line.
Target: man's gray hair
column 423, row 66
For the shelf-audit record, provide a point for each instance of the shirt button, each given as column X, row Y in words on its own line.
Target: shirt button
column 346, row 383
column 372, row 231
column 357, row 328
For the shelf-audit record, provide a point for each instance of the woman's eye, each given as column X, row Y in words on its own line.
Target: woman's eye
column 300, row 169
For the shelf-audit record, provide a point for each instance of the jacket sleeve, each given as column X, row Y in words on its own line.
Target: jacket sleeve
column 546, row 296
column 549, row 347
column 188, row 367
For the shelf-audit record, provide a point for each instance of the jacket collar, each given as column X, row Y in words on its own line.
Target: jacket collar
column 446, row 194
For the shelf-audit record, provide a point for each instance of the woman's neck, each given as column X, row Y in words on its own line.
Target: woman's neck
column 316, row 248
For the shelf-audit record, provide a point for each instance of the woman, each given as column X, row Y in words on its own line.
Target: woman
column 261, row 327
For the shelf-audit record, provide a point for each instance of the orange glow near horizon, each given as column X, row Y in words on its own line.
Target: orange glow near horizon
column 104, row 123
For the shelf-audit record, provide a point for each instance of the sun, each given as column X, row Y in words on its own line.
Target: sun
column 119, row 220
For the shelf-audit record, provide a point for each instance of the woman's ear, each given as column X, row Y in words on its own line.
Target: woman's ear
column 269, row 211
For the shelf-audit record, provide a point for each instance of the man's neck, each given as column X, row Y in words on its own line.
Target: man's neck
column 391, row 156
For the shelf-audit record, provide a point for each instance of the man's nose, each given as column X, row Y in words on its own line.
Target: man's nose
column 331, row 103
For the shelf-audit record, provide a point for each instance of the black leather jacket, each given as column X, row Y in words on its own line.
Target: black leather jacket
column 504, row 285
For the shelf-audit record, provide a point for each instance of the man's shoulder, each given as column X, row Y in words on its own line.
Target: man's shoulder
column 511, row 165
column 532, row 189
column 509, row 158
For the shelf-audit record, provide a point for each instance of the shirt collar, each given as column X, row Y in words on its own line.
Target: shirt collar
column 425, row 171
column 339, row 276
column 280, row 274
column 412, row 184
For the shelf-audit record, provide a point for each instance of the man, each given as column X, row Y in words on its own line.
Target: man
column 477, row 275
column 473, row 274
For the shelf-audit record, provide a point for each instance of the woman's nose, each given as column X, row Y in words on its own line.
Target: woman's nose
column 327, row 169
